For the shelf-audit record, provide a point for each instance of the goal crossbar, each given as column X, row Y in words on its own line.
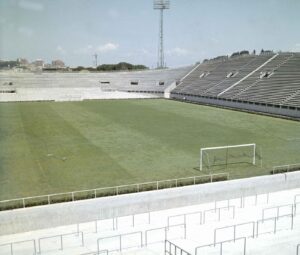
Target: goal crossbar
column 227, row 147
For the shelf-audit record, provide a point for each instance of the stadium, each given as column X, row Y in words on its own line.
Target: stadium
column 200, row 159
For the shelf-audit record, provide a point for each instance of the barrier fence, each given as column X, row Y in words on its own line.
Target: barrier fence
column 286, row 168
column 296, row 203
column 218, row 211
column 109, row 191
column 234, row 227
column 274, row 221
column 61, row 240
column 173, row 249
column 119, row 238
column 278, row 209
column 184, row 216
column 115, row 221
column 13, row 244
column 221, row 245
column 164, row 231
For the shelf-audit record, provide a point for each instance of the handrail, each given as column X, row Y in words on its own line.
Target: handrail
column 234, row 230
column 169, row 250
column 219, row 212
column 274, row 219
column 184, row 216
column 120, row 240
column 285, row 167
column 221, row 245
column 166, row 229
column 291, row 206
column 61, row 239
column 11, row 244
column 116, row 190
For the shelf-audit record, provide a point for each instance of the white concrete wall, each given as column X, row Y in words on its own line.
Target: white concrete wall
column 22, row 220
column 68, row 94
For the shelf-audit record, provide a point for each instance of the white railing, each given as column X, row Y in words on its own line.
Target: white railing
column 172, row 249
column 13, row 244
column 285, row 168
column 60, row 239
column 107, row 191
column 119, row 238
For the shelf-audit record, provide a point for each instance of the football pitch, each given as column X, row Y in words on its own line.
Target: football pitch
column 51, row 147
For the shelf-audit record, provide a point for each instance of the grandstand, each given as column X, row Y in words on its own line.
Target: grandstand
column 80, row 86
column 266, row 83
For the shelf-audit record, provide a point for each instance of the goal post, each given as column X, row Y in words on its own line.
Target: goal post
column 224, row 155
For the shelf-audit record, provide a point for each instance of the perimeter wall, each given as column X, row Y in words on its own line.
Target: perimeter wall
column 49, row 216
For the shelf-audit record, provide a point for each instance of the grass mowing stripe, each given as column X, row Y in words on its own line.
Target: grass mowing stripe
column 90, row 144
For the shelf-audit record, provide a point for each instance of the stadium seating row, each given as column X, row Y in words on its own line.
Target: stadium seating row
column 268, row 79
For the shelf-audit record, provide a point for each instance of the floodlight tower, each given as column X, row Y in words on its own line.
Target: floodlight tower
column 161, row 5
column 96, row 59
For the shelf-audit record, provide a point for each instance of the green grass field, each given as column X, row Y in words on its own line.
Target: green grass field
column 48, row 147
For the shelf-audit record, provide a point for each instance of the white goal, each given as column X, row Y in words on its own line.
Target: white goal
column 225, row 155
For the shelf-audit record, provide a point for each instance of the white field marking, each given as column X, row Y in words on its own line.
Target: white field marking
column 293, row 138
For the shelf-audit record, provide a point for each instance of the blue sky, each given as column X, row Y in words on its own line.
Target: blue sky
column 127, row 30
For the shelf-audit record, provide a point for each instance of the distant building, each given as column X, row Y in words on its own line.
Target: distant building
column 38, row 63
column 58, row 63
column 23, row 61
column 47, row 66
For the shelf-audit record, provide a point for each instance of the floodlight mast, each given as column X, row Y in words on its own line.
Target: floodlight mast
column 96, row 59
column 161, row 5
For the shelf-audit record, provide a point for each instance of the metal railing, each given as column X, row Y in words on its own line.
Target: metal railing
column 173, row 249
column 12, row 244
column 296, row 203
column 286, row 168
column 218, row 210
column 234, row 227
column 120, row 244
column 275, row 223
column 298, row 249
column 277, row 210
column 164, row 230
column 60, row 238
column 256, row 196
column 221, row 245
column 184, row 217
column 108, row 191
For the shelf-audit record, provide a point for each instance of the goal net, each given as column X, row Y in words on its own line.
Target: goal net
column 225, row 155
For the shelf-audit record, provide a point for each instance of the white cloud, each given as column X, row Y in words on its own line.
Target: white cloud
column 31, row 5
column 61, row 50
column 107, row 47
column 90, row 49
column 177, row 51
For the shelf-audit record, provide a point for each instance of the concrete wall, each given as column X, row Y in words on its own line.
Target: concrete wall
column 240, row 105
column 27, row 219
